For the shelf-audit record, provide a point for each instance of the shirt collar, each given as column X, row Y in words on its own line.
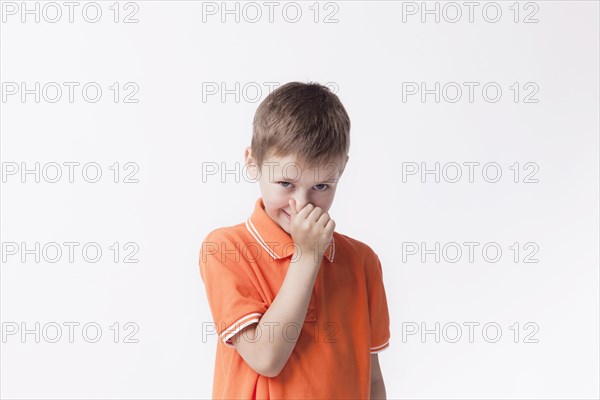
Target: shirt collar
column 276, row 242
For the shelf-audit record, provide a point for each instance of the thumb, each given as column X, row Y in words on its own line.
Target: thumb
column 292, row 204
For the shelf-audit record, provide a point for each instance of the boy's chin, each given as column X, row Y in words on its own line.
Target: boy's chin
column 285, row 227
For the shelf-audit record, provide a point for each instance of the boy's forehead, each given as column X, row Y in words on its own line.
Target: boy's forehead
column 291, row 167
column 282, row 163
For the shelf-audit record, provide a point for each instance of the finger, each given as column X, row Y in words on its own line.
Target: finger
column 330, row 227
column 305, row 212
column 323, row 219
column 292, row 204
column 316, row 214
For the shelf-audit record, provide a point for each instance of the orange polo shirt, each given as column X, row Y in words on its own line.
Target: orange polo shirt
column 243, row 267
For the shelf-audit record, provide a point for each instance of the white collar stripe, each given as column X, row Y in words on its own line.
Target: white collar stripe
column 257, row 236
column 332, row 252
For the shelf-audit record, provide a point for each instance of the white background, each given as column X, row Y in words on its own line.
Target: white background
column 176, row 128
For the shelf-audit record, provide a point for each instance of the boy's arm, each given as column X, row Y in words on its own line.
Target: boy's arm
column 377, row 384
column 263, row 346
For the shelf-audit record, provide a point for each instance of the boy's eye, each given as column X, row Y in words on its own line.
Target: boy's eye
column 320, row 187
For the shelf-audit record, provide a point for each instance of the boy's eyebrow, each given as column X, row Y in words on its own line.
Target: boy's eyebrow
column 331, row 180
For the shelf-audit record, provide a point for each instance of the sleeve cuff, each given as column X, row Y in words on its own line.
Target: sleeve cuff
column 237, row 326
column 381, row 347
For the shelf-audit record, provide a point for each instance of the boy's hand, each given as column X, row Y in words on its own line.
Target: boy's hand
column 311, row 229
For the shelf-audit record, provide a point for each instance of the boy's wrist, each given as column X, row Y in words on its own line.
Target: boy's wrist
column 313, row 252
column 308, row 258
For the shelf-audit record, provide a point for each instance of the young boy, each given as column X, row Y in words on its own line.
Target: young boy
column 300, row 310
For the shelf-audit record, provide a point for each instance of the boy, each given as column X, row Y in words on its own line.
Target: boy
column 300, row 310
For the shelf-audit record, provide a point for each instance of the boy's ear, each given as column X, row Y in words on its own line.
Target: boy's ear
column 344, row 165
column 250, row 163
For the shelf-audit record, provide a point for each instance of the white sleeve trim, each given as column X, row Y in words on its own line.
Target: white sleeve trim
column 380, row 348
column 237, row 326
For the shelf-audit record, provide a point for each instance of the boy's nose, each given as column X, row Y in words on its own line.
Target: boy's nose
column 301, row 201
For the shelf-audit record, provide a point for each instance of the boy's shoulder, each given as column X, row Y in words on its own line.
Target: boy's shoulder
column 357, row 247
column 227, row 233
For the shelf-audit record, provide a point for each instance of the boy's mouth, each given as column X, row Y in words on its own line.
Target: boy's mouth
column 287, row 215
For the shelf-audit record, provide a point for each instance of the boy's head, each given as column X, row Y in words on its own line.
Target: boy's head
column 300, row 144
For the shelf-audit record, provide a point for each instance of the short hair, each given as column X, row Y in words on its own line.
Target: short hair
column 306, row 120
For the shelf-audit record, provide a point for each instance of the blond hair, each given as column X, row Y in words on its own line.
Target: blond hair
column 302, row 119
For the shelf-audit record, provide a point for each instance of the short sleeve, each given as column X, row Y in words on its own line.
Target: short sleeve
column 231, row 286
column 378, row 308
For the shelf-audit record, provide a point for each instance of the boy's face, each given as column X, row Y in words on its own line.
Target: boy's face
column 283, row 178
